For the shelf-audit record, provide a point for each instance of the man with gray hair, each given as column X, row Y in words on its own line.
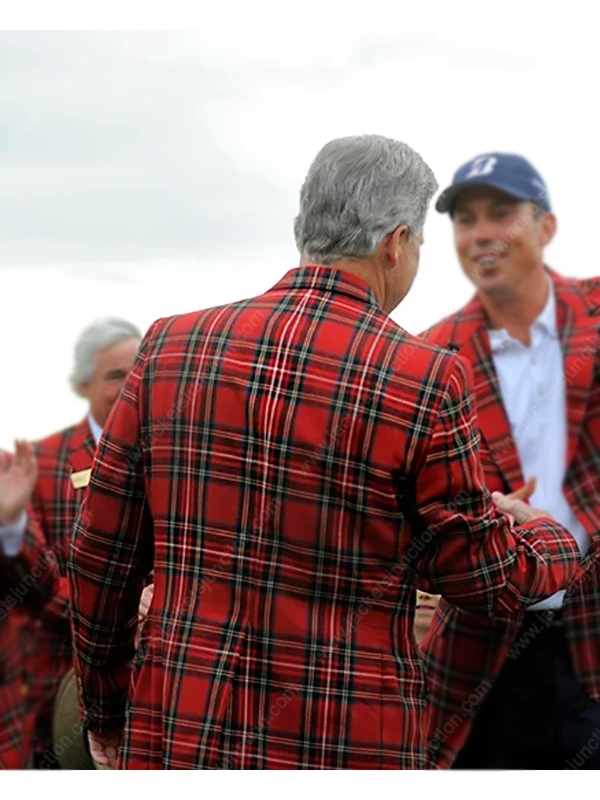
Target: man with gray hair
column 317, row 463
column 104, row 355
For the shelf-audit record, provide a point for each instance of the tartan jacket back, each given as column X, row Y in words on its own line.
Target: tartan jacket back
column 289, row 466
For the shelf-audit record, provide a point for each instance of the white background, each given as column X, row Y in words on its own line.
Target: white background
column 235, row 114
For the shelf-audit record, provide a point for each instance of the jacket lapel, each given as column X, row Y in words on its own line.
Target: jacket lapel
column 81, row 447
column 470, row 339
column 577, row 323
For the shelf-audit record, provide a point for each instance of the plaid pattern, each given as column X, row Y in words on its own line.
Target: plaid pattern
column 27, row 582
column 288, row 466
column 55, row 504
column 464, row 651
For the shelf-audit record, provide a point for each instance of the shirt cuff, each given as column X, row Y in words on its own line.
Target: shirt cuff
column 11, row 536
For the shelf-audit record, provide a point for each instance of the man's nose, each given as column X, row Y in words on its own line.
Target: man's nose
column 483, row 231
column 116, row 390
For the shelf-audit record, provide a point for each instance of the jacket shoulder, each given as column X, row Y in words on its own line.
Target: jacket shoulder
column 429, row 362
column 57, row 442
column 589, row 287
column 441, row 333
column 180, row 326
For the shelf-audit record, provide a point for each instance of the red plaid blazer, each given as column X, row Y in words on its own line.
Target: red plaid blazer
column 27, row 582
column 55, row 504
column 289, row 466
column 464, row 650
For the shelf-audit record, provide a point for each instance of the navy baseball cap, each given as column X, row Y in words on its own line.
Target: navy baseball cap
column 506, row 172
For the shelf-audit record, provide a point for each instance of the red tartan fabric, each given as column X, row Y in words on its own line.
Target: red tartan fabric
column 55, row 504
column 290, row 466
column 27, row 581
column 464, row 650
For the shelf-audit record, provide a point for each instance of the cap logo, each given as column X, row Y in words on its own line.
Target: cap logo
column 484, row 165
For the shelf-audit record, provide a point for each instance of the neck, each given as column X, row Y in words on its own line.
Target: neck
column 517, row 309
column 366, row 269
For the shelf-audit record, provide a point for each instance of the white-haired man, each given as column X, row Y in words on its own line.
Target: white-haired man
column 104, row 355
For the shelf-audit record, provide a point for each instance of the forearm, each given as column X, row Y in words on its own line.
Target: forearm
column 104, row 617
column 502, row 570
column 30, row 578
column 467, row 550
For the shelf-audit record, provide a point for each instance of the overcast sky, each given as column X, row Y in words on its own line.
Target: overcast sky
column 145, row 174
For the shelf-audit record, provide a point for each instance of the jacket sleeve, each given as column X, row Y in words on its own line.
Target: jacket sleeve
column 465, row 549
column 29, row 579
column 111, row 557
column 57, row 610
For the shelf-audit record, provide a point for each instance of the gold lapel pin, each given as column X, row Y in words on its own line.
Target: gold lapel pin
column 81, row 479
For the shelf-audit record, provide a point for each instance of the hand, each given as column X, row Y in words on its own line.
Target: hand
column 514, row 504
column 426, row 607
column 17, row 481
column 525, row 492
column 144, row 607
column 104, row 748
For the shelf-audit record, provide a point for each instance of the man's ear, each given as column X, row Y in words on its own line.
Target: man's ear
column 397, row 238
column 548, row 229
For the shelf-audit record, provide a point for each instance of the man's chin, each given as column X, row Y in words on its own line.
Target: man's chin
column 490, row 282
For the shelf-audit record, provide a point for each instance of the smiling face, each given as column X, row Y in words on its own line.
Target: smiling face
column 499, row 240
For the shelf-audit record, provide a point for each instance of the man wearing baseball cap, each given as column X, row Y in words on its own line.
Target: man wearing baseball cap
column 523, row 694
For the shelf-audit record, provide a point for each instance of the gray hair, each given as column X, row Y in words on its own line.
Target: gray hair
column 359, row 189
column 100, row 335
